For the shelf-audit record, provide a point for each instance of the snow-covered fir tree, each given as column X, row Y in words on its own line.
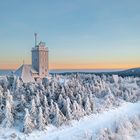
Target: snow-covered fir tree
column 40, row 120
column 37, row 98
column 87, row 105
column 9, row 120
column 45, row 102
column 58, row 118
column 33, row 109
column 66, row 108
column 27, row 122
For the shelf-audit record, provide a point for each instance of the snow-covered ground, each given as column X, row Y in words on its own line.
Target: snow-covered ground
column 88, row 127
column 72, row 107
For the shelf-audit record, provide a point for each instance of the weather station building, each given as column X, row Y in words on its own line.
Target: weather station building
column 40, row 64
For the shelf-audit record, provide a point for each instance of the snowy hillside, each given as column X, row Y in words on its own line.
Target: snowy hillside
column 74, row 106
column 100, row 126
column 123, row 73
column 131, row 72
column 120, row 123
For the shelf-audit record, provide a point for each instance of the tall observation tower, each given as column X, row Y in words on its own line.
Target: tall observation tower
column 40, row 64
column 40, row 59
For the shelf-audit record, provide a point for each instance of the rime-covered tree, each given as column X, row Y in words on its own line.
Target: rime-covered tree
column 9, row 120
column 79, row 99
column 53, row 88
column 77, row 111
column 46, row 115
column 17, row 83
column 10, row 98
column 45, row 102
column 62, row 90
column 1, row 97
column 52, row 106
column 33, row 110
column 60, row 100
column 41, row 120
column 37, row 98
column 23, row 101
column 58, row 118
column 92, row 102
column 126, row 95
column 66, row 108
column 27, row 122
column 87, row 105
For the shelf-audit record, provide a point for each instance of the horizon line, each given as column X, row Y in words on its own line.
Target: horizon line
column 81, row 69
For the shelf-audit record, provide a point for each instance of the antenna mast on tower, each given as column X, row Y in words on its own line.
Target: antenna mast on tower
column 35, row 34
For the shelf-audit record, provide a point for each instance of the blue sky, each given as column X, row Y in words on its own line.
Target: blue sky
column 79, row 33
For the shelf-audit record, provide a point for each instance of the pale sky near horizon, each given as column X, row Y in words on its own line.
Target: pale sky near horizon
column 80, row 34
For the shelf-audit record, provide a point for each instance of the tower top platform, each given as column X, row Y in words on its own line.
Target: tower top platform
column 40, row 46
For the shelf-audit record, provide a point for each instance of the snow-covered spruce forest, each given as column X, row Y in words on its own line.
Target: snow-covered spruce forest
column 62, row 98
